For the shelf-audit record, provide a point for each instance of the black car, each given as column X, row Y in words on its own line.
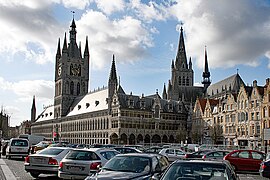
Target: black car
column 139, row 166
column 199, row 169
column 265, row 167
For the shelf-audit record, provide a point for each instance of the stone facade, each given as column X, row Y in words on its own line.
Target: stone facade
column 241, row 114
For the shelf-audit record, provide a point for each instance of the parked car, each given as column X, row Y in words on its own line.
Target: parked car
column 125, row 150
column 17, row 147
column 199, row 169
column 139, row 147
column 265, row 167
column 41, row 145
column 172, row 154
column 139, row 166
column 197, row 154
column 245, row 160
column 154, row 149
column 80, row 163
column 45, row 161
column 218, row 154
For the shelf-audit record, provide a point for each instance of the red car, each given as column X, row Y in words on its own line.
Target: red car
column 245, row 160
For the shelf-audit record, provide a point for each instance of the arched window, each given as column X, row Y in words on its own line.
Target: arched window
column 78, row 88
column 187, row 81
column 180, row 81
column 59, row 88
column 83, row 87
column 72, row 88
column 70, row 70
column 156, row 111
column 67, row 87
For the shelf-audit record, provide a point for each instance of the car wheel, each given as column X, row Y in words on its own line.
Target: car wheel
column 34, row 174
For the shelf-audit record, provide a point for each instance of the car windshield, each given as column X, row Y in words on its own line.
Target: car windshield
column 82, row 155
column 51, row 151
column 134, row 164
column 196, row 170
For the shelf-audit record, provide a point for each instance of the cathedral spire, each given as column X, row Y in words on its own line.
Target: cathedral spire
column 33, row 110
column 86, row 49
column 113, row 76
column 206, row 74
column 181, row 58
column 164, row 94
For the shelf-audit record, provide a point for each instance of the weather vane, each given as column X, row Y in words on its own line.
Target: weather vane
column 73, row 12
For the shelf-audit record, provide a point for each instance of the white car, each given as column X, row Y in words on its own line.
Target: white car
column 45, row 161
column 173, row 154
column 80, row 163
column 17, row 147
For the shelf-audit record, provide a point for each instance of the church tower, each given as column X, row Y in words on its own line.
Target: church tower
column 71, row 73
column 206, row 75
column 182, row 72
column 112, row 84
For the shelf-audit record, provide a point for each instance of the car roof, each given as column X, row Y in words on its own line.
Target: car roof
column 209, row 161
column 140, row 154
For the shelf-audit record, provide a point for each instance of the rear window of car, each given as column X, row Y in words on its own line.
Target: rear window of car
column 82, row 155
column 51, row 151
column 22, row 143
column 108, row 154
column 197, row 170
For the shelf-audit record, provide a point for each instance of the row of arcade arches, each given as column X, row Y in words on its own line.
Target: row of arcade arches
column 146, row 139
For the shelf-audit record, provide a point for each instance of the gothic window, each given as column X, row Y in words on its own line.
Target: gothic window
column 184, row 81
column 187, row 81
column 156, row 115
column 70, row 70
column 67, row 87
column 79, row 67
column 83, row 87
column 78, row 88
column 180, row 81
column 72, row 88
column 59, row 88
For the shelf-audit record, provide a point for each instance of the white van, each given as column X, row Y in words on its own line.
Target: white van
column 17, row 147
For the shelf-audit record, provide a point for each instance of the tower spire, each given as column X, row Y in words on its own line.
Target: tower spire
column 33, row 110
column 113, row 76
column 64, row 50
column 58, row 54
column 181, row 58
column 86, row 49
column 206, row 74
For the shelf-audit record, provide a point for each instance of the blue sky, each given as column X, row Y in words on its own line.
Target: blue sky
column 142, row 34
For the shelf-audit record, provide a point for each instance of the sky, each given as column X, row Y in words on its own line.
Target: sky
column 143, row 35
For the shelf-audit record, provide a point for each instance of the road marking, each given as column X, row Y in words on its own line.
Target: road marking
column 7, row 172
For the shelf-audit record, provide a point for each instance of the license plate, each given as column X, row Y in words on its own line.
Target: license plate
column 75, row 168
column 39, row 160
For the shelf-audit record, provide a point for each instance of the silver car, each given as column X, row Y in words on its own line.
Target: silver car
column 45, row 161
column 173, row 154
column 80, row 163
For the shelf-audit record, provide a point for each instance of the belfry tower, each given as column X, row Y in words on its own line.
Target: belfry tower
column 71, row 73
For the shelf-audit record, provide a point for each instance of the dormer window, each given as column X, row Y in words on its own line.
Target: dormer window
column 87, row 105
column 50, row 113
column 79, row 107
column 142, row 103
column 170, row 107
column 96, row 103
column 46, row 114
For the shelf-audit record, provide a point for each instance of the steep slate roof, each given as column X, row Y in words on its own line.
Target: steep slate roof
column 47, row 114
column 231, row 83
column 203, row 103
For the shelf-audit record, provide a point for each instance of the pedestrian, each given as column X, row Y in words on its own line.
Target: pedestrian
column 0, row 147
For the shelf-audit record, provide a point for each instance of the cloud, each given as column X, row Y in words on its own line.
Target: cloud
column 151, row 11
column 78, row 4
column 26, row 89
column 127, row 38
column 234, row 33
column 109, row 7
column 29, row 29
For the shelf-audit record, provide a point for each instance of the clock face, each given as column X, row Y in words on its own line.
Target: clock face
column 76, row 70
